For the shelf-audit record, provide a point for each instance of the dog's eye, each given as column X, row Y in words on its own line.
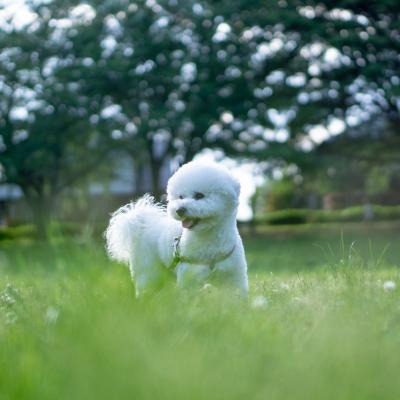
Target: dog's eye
column 181, row 197
column 198, row 196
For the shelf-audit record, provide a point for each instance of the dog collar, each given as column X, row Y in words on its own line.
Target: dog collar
column 178, row 258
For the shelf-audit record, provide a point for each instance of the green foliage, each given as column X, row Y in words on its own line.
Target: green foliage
column 351, row 214
column 17, row 232
column 280, row 194
column 56, row 231
column 285, row 217
column 366, row 160
column 325, row 328
column 378, row 180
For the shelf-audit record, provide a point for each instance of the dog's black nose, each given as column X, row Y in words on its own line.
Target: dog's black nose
column 181, row 211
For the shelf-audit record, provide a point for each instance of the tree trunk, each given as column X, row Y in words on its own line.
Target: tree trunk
column 157, row 190
column 42, row 213
column 156, row 161
column 42, row 210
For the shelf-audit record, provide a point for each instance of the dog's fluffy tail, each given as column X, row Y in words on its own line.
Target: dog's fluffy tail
column 127, row 223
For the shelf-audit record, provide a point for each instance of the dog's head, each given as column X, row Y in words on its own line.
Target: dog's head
column 201, row 194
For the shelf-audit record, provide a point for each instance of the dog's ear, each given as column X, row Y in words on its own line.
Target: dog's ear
column 233, row 189
column 236, row 187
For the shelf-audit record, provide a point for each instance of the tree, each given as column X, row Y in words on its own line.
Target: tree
column 161, row 80
column 250, row 77
column 47, row 141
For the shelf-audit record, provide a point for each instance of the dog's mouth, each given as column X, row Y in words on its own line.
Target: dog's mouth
column 190, row 223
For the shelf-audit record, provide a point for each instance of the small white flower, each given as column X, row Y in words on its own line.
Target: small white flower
column 301, row 301
column 11, row 318
column 389, row 285
column 7, row 299
column 51, row 315
column 284, row 286
column 259, row 302
column 207, row 287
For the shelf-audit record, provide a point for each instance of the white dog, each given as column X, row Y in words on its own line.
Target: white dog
column 196, row 237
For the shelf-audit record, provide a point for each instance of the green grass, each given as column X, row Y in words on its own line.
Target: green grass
column 324, row 328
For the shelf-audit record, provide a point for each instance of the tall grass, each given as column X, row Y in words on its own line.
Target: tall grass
column 321, row 322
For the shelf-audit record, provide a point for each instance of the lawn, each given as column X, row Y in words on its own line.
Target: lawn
column 322, row 322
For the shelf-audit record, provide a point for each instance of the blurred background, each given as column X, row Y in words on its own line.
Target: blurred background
column 100, row 101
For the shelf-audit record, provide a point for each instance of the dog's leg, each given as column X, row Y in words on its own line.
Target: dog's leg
column 233, row 271
column 191, row 276
column 147, row 274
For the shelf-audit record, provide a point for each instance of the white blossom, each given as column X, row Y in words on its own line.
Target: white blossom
column 259, row 302
column 389, row 285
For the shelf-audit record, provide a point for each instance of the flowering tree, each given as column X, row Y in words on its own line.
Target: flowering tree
column 163, row 79
column 46, row 140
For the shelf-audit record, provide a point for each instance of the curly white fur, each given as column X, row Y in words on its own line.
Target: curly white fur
column 202, row 208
